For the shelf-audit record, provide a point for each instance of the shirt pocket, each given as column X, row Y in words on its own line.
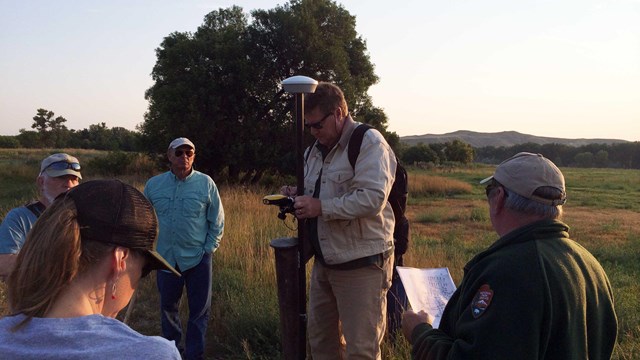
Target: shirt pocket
column 193, row 207
column 162, row 204
column 350, row 231
column 339, row 182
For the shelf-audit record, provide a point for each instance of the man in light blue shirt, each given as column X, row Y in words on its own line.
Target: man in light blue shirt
column 58, row 173
column 191, row 221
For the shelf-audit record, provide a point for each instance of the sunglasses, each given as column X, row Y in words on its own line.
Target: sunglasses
column 63, row 165
column 179, row 152
column 318, row 124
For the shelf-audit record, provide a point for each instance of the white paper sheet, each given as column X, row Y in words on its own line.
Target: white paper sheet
column 428, row 290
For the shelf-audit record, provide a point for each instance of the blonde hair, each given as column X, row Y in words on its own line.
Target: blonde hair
column 52, row 257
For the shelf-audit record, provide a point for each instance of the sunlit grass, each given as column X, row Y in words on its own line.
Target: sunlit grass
column 425, row 185
column 450, row 224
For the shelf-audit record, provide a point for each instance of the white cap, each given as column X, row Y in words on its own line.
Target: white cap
column 69, row 165
column 181, row 141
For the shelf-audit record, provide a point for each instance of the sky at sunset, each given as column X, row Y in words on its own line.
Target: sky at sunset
column 559, row 68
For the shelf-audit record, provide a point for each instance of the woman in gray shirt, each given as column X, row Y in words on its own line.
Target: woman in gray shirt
column 79, row 267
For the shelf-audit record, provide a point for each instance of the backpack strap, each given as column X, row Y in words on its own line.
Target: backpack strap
column 36, row 207
column 355, row 142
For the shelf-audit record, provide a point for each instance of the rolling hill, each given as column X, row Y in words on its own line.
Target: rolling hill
column 504, row 138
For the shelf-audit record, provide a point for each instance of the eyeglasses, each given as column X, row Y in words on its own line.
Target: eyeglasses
column 179, row 152
column 318, row 124
column 63, row 165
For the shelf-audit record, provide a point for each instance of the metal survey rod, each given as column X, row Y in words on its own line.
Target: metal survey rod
column 299, row 85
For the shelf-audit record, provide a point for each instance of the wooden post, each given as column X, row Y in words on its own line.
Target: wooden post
column 286, row 253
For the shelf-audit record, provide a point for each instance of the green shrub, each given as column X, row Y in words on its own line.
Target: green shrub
column 9, row 142
column 118, row 163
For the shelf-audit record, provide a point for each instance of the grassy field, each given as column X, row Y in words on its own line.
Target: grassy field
column 450, row 224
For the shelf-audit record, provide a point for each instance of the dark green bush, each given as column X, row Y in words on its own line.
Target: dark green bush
column 9, row 142
column 118, row 163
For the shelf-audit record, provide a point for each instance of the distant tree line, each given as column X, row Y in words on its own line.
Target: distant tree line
column 623, row 155
column 455, row 151
column 51, row 132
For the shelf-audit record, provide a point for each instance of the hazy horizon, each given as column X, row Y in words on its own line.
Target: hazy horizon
column 503, row 131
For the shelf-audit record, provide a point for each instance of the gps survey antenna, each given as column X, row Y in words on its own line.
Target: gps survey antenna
column 292, row 287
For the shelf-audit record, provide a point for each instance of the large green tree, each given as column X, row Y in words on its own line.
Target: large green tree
column 220, row 86
column 459, row 151
column 420, row 153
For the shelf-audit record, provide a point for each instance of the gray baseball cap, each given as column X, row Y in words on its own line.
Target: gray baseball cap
column 60, row 164
column 525, row 172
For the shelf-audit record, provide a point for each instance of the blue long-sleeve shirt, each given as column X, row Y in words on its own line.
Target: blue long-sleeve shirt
column 14, row 229
column 190, row 216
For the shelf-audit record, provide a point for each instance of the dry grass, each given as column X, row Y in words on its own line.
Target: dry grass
column 449, row 226
column 424, row 185
column 449, row 231
column 450, row 237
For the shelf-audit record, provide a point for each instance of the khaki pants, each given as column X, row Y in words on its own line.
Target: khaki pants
column 347, row 311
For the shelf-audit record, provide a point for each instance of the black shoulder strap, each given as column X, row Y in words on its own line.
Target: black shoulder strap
column 355, row 142
column 36, row 207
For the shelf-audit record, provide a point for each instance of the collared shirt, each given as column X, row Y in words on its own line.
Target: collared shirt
column 14, row 229
column 190, row 216
column 357, row 220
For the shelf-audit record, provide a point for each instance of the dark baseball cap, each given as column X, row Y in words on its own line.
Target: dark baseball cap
column 113, row 212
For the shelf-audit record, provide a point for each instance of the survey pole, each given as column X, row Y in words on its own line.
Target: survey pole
column 298, row 86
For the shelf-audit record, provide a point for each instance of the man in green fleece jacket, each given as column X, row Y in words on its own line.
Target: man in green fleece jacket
column 534, row 293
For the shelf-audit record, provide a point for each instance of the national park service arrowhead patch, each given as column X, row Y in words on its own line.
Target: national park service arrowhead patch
column 481, row 301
